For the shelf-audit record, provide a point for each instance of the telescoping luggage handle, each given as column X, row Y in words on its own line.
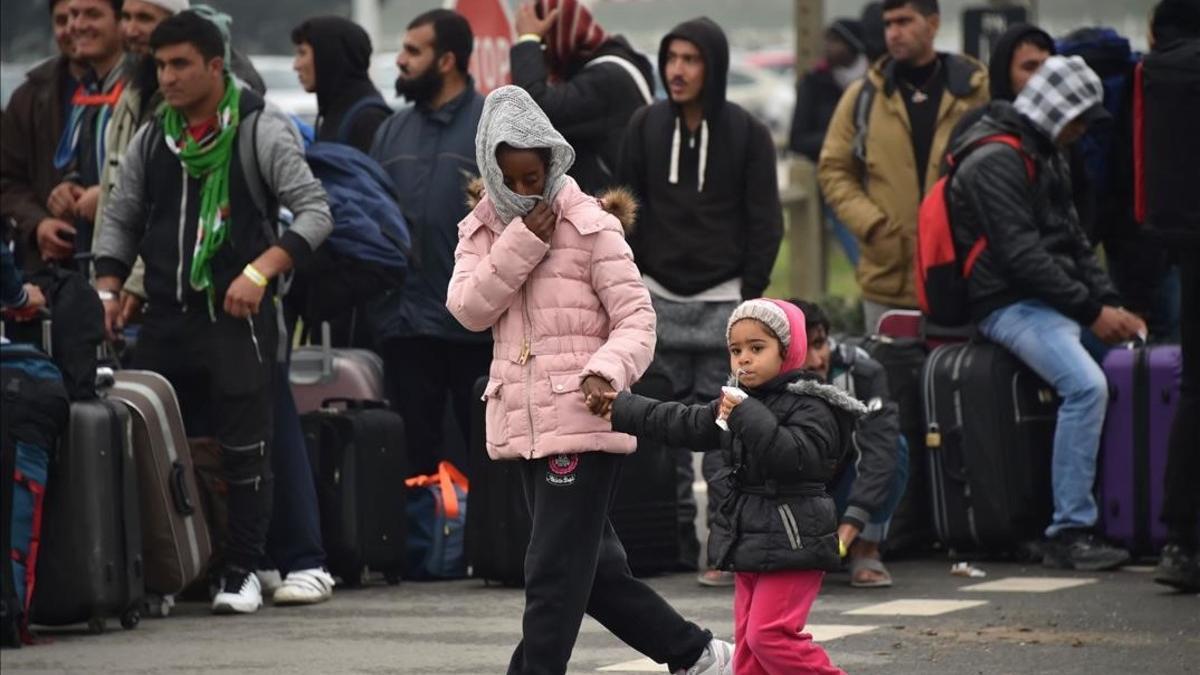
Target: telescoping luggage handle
column 447, row 477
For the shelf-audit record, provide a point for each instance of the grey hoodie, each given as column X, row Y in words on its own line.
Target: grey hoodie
column 511, row 116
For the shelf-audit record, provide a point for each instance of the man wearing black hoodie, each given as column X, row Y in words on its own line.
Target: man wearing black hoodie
column 703, row 170
column 586, row 81
column 333, row 57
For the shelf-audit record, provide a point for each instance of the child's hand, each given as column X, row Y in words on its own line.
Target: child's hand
column 540, row 221
column 595, row 390
column 728, row 403
column 610, row 397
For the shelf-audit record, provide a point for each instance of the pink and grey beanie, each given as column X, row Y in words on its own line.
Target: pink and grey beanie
column 783, row 319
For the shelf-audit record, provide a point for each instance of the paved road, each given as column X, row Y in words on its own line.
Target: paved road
column 1043, row 623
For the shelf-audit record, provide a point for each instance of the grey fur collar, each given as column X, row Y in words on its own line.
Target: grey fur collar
column 830, row 394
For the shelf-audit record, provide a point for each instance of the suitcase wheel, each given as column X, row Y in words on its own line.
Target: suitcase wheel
column 130, row 619
column 96, row 625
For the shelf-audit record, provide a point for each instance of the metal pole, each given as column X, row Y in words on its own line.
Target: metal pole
column 366, row 14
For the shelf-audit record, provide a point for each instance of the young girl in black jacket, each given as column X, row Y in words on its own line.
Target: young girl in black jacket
column 776, row 527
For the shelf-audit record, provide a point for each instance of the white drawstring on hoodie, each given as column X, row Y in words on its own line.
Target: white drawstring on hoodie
column 676, row 141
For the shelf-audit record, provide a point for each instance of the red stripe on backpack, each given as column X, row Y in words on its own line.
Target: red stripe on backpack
column 941, row 279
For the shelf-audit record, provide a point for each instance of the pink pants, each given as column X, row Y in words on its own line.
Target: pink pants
column 770, row 609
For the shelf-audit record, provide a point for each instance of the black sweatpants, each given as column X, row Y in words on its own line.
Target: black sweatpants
column 1181, row 504
column 422, row 373
column 222, row 372
column 576, row 564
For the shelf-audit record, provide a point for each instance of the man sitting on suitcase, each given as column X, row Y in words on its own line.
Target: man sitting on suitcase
column 1037, row 284
column 870, row 480
column 185, row 204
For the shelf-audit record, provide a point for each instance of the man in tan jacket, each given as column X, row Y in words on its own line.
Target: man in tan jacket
column 887, row 125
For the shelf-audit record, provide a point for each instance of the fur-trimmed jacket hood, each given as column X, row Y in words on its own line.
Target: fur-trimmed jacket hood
column 783, row 446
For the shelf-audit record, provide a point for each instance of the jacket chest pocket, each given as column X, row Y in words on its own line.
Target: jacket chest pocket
column 570, row 409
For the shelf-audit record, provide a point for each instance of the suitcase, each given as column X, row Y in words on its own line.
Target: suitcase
column 320, row 372
column 1143, row 395
column 498, row 523
column 645, row 511
column 990, row 437
column 359, row 463
column 911, row 530
column 175, row 538
column 90, row 564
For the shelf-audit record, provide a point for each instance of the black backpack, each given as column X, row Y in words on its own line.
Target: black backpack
column 76, row 328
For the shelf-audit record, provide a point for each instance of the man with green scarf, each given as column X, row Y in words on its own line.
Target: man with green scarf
column 201, row 212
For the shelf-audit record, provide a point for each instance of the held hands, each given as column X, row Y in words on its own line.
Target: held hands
column 63, row 198
column 528, row 23
column 540, row 221
column 598, row 394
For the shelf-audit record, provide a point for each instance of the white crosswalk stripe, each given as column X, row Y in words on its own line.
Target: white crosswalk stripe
column 1028, row 585
column 915, row 607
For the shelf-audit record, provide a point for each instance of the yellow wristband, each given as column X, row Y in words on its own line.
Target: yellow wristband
column 529, row 37
column 255, row 276
column 842, row 550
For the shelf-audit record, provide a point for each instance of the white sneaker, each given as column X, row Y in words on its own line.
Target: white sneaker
column 717, row 659
column 240, row 594
column 305, row 587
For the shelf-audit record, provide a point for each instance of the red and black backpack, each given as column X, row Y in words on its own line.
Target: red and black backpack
column 941, row 276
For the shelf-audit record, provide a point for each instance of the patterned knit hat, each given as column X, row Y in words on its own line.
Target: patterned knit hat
column 1062, row 90
column 172, row 6
column 575, row 35
column 783, row 319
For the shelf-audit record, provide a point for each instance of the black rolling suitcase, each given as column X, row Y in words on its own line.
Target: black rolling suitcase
column 644, row 508
column 911, row 530
column 990, row 433
column 359, row 462
column 90, row 563
column 498, row 521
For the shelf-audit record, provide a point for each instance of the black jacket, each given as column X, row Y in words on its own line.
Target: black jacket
column 342, row 59
column 691, row 239
column 591, row 108
column 1000, row 82
column 817, row 97
column 1036, row 247
column 876, row 435
column 784, row 443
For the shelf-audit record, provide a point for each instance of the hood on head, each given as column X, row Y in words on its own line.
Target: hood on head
column 797, row 351
column 1000, row 63
column 1062, row 90
column 714, row 48
column 511, row 116
column 341, row 56
column 850, row 32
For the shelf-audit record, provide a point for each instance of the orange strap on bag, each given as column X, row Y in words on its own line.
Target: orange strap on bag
column 447, row 477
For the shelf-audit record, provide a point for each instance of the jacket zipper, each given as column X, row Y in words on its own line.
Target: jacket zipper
column 523, row 359
column 183, row 207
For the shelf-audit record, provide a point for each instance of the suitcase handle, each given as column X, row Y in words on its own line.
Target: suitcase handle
column 355, row 403
column 179, row 491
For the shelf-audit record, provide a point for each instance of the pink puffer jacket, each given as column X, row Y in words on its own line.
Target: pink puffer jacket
column 558, row 313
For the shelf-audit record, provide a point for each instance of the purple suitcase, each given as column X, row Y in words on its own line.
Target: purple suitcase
column 1143, row 394
column 319, row 373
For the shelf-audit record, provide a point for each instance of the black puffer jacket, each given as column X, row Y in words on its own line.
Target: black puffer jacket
column 1036, row 247
column 784, row 444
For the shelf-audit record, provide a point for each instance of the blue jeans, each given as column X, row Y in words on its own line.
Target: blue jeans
column 876, row 530
column 1049, row 343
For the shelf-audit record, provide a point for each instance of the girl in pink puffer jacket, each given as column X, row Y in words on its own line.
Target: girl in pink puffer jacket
column 546, row 267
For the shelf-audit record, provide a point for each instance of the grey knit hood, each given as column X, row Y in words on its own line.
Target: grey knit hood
column 511, row 116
